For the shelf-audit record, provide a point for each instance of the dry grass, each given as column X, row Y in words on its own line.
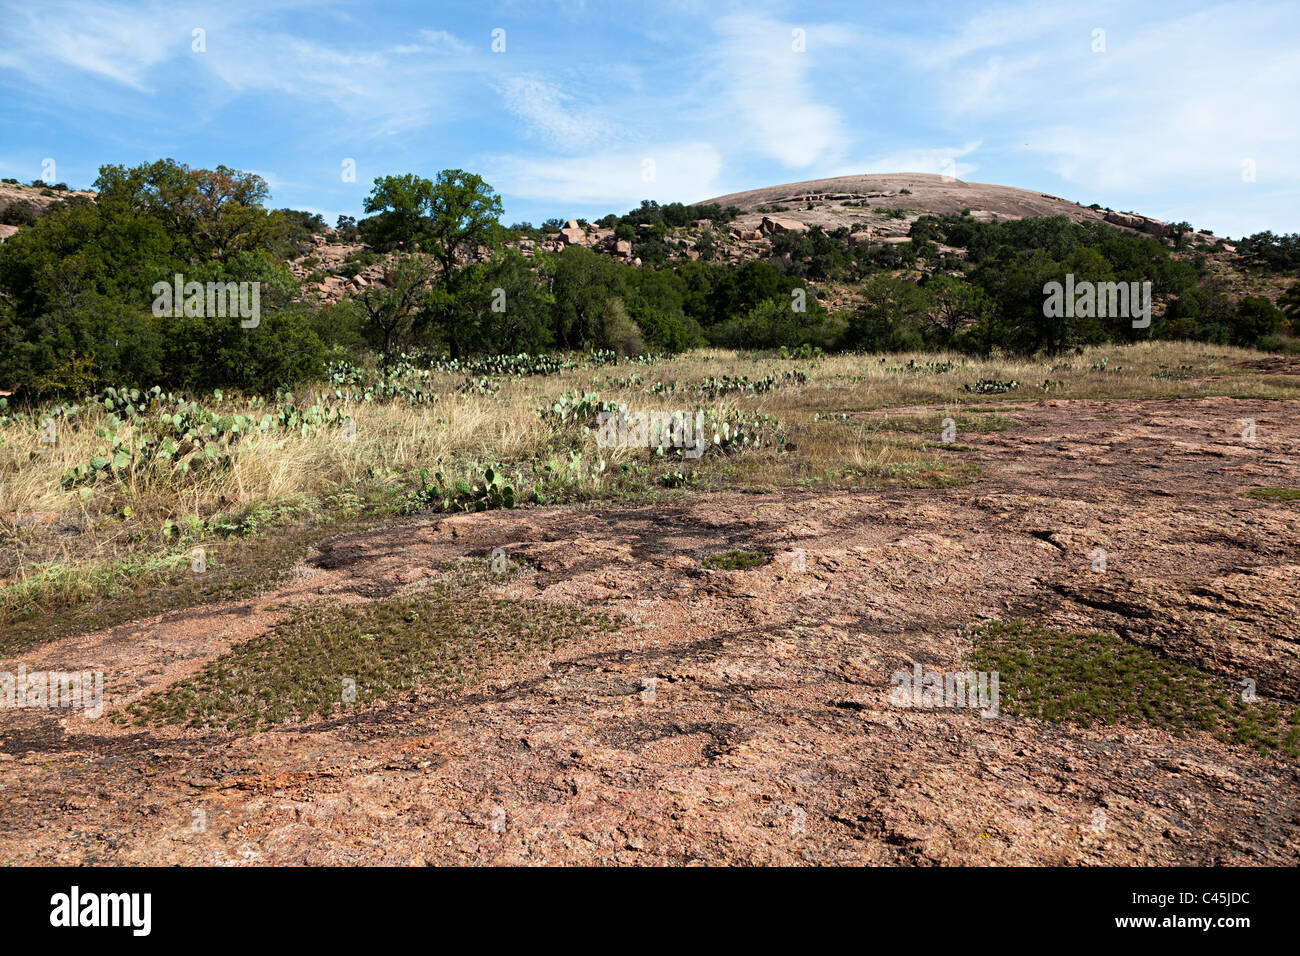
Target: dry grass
column 65, row 543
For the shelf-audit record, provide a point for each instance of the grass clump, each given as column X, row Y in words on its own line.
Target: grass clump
column 1273, row 494
column 735, row 560
column 1091, row 678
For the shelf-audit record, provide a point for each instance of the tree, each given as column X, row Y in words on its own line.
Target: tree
column 1290, row 303
column 403, row 204
column 465, row 212
column 281, row 351
column 1201, row 313
column 212, row 212
column 502, row 307
column 394, row 305
column 954, row 306
column 584, row 283
column 888, row 317
column 1257, row 318
column 455, row 213
column 75, row 286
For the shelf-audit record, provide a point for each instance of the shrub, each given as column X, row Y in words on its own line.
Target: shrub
column 18, row 214
column 1257, row 318
column 618, row 332
column 203, row 353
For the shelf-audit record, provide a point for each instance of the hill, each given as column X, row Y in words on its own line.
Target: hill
column 871, row 203
column 20, row 204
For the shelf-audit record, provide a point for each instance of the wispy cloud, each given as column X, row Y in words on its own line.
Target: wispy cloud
column 942, row 160
column 237, row 49
column 719, row 96
column 94, row 39
column 550, row 114
column 618, row 178
column 764, row 72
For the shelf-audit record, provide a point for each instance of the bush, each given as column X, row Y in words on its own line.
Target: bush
column 18, row 214
column 889, row 317
column 772, row 324
column 670, row 332
column 1257, row 318
column 204, row 353
column 618, row 332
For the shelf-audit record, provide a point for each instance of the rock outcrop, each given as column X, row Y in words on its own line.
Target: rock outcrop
column 772, row 225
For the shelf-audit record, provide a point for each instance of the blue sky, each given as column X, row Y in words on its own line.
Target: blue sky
column 593, row 106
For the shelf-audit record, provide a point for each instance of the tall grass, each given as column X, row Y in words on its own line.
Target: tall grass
column 71, row 540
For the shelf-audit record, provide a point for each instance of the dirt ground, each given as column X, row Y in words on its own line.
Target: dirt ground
column 744, row 716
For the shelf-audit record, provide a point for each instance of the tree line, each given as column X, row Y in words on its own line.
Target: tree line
column 75, row 285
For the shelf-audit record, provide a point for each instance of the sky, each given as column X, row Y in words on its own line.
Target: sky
column 1181, row 111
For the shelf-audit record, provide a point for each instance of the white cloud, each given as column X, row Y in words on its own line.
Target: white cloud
column 445, row 42
column 1165, row 117
column 89, row 38
column 612, row 179
column 383, row 88
column 940, row 160
column 766, row 83
column 1161, row 119
column 547, row 111
column 990, row 29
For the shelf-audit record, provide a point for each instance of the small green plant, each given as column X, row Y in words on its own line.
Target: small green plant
column 678, row 479
column 481, row 385
column 479, row 494
column 576, row 407
column 327, row 658
column 153, row 434
column 992, row 386
column 735, row 560
column 1091, row 678
column 805, row 351
column 1273, row 494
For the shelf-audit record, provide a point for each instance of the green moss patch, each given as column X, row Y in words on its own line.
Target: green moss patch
column 1091, row 678
column 735, row 560
column 436, row 641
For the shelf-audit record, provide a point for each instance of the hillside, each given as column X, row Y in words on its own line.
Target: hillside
column 864, row 203
column 36, row 200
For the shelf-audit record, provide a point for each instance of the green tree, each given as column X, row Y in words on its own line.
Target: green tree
column 955, row 306
column 448, row 217
column 210, row 212
column 889, row 317
column 584, row 283
column 403, row 205
column 1257, row 318
column 1290, row 303
column 502, row 306
column 393, row 306
column 465, row 213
